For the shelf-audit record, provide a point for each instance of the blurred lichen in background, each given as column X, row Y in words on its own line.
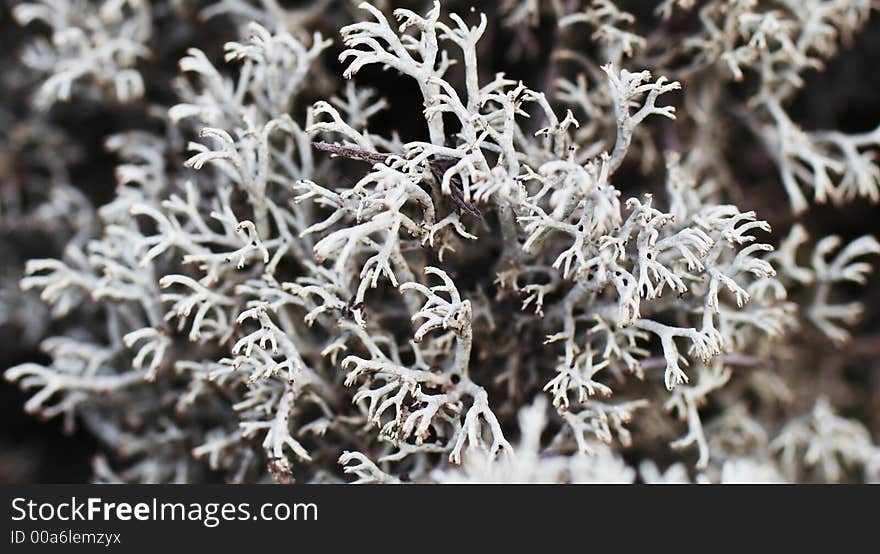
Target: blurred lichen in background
column 511, row 241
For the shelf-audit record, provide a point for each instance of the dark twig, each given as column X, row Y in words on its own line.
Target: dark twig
column 351, row 153
column 439, row 165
